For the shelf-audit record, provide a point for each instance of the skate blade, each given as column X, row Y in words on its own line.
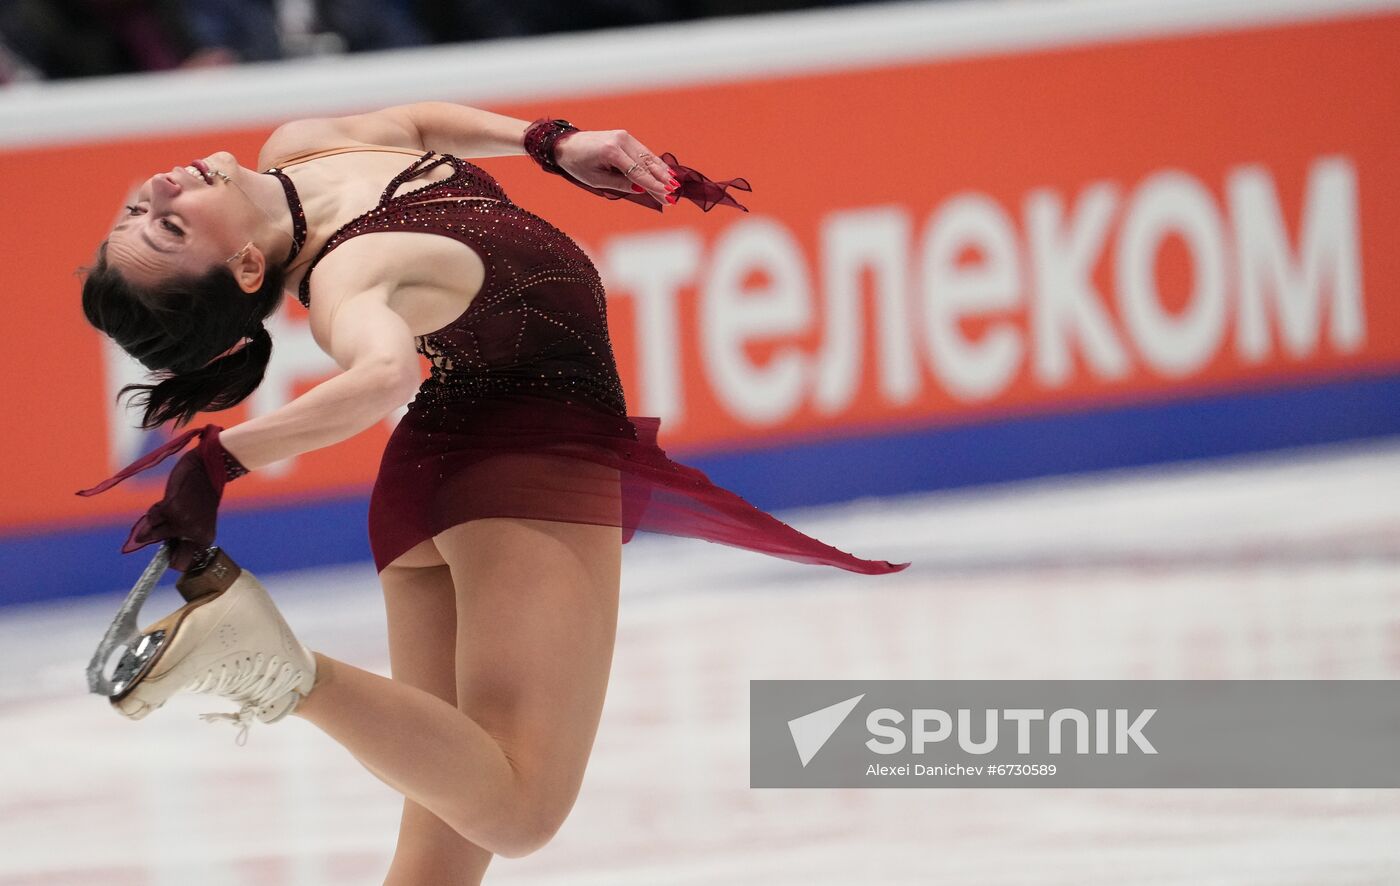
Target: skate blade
column 123, row 632
column 143, row 649
column 146, row 655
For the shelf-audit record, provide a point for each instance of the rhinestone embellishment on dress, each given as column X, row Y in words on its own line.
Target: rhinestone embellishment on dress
column 539, row 323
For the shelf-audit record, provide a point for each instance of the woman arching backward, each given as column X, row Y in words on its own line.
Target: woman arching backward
column 503, row 496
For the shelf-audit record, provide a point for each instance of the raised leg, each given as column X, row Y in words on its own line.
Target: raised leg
column 536, row 622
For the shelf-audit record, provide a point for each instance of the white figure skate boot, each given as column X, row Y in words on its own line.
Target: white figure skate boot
column 229, row 640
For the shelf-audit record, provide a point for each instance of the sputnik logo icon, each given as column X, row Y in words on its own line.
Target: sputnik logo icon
column 811, row 731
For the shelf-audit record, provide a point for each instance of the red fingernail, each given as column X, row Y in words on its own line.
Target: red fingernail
column 670, row 198
column 638, row 188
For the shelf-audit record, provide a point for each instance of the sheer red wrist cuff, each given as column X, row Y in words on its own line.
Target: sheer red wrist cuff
column 543, row 134
column 219, row 463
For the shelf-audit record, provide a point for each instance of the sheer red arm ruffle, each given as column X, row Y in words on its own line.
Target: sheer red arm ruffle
column 694, row 186
column 188, row 513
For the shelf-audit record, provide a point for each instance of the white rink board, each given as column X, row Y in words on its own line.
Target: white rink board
column 1285, row 567
column 608, row 61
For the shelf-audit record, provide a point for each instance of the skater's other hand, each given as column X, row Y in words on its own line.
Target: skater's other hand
column 188, row 514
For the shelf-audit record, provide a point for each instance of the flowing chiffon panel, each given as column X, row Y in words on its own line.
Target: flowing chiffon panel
column 542, row 458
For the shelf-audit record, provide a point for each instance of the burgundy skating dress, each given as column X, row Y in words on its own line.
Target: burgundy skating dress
column 523, row 412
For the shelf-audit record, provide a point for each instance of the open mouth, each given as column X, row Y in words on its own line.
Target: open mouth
column 201, row 169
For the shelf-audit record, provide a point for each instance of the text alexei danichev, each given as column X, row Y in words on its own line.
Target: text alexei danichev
column 955, row 770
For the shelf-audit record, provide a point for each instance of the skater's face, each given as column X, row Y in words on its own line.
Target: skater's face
column 181, row 223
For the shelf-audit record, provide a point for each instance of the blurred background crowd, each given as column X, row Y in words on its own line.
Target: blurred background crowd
column 56, row 39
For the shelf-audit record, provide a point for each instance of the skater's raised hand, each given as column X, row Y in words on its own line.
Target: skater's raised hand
column 188, row 513
column 612, row 163
column 612, row 158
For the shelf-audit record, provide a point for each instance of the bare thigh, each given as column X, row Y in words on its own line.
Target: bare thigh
column 536, row 623
column 420, row 607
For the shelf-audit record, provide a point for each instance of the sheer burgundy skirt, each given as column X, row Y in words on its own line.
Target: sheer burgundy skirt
column 546, row 459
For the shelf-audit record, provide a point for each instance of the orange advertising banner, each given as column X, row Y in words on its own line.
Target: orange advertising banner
column 927, row 242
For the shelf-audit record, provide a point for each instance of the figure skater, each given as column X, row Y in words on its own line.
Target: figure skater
column 504, row 494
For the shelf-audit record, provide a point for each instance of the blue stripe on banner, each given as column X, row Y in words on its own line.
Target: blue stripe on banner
column 85, row 561
column 89, row 560
column 951, row 456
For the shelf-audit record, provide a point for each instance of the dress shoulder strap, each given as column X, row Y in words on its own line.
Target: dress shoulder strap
column 346, row 149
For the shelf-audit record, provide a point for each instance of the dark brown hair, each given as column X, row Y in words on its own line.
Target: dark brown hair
column 175, row 328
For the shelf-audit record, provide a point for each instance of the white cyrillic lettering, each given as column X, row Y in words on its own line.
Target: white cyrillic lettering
column 1328, row 260
column 971, row 370
column 1172, row 202
column 1065, row 305
column 653, row 268
column 732, row 316
column 877, row 239
column 124, row 436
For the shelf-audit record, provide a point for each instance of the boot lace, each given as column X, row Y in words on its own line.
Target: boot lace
column 254, row 680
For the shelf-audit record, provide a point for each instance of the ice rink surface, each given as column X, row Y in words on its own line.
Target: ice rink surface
column 1285, row 566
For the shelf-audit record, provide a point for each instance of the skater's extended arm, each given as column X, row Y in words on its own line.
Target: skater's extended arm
column 599, row 158
column 464, row 131
column 365, row 336
column 460, row 130
column 375, row 347
column 596, row 157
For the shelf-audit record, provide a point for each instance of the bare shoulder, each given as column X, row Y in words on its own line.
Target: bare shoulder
column 389, row 127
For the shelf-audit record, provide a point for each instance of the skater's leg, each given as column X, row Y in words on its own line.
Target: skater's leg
column 536, row 624
column 421, row 609
column 537, row 617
